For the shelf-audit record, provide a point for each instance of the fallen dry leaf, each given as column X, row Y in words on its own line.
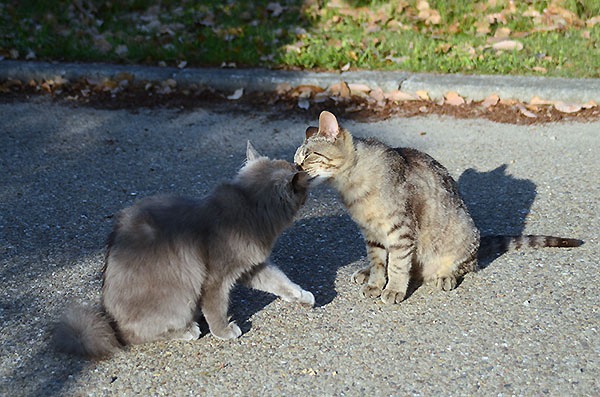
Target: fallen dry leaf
column 508, row 45
column 502, row 33
column 497, row 18
column 567, row 107
column 539, row 101
column 340, row 89
column 422, row 94
column 590, row 23
column 428, row 15
column 236, row 95
column 345, row 67
column 283, row 88
column 452, row 98
column 525, row 112
column 533, row 108
column 491, row 100
column 540, row 69
column 401, row 59
column 359, row 87
column 589, row 105
column 305, row 91
column 483, row 27
column 377, row 94
column 399, row 96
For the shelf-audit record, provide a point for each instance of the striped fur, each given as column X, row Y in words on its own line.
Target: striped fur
column 491, row 245
column 408, row 207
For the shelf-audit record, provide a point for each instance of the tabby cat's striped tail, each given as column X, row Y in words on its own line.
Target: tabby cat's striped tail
column 499, row 244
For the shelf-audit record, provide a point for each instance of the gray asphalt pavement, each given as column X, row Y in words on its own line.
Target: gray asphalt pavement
column 527, row 324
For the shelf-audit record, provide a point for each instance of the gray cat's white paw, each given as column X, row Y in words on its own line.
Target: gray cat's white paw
column 194, row 331
column 301, row 296
column 362, row 275
column 306, row 298
column 232, row 331
column 389, row 297
column 446, row 283
column 370, row 291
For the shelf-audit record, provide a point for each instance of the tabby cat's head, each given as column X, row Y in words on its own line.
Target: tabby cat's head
column 277, row 180
column 326, row 151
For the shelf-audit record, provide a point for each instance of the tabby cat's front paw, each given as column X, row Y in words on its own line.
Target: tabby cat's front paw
column 231, row 331
column 362, row 275
column 370, row 291
column 389, row 297
column 446, row 283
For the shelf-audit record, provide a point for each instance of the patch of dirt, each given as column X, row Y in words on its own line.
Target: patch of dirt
column 110, row 94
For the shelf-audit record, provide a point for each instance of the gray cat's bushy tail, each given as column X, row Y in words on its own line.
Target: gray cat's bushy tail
column 499, row 244
column 86, row 332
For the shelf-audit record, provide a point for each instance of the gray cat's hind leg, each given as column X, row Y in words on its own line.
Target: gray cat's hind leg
column 270, row 279
column 191, row 332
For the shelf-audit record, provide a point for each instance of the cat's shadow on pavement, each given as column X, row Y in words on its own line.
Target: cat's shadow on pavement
column 498, row 202
column 313, row 249
column 310, row 254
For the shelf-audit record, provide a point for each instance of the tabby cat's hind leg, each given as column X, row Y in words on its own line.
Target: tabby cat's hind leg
column 449, row 271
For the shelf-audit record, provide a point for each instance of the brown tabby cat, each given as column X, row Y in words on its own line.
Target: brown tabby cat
column 408, row 207
column 168, row 255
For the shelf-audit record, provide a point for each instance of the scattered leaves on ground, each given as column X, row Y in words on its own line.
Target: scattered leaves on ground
column 353, row 100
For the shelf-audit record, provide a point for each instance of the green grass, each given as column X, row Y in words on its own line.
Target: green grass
column 316, row 34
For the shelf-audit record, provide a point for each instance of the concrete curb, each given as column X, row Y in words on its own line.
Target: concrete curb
column 472, row 87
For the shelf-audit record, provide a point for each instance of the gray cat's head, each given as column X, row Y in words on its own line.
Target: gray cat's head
column 326, row 150
column 273, row 179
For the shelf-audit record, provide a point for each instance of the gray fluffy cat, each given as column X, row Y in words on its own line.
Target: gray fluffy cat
column 168, row 255
column 409, row 209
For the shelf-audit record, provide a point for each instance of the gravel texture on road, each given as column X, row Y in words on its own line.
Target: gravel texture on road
column 526, row 324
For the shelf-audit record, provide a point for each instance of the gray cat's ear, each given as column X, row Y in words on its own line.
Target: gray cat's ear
column 310, row 131
column 251, row 153
column 300, row 181
column 328, row 125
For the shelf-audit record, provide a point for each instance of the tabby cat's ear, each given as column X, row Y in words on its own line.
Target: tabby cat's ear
column 310, row 131
column 328, row 126
column 251, row 153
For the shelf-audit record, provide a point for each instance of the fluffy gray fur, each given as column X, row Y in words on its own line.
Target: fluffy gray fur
column 168, row 256
column 412, row 216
